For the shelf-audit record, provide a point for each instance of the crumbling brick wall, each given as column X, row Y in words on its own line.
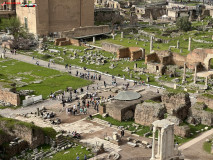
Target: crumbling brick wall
column 10, row 97
column 152, row 57
column 123, row 53
column 134, row 53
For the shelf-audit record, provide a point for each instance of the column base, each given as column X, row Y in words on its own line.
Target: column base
column 152, row 158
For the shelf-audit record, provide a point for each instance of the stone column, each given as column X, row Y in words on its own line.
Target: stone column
column 184, row 73
column 94, row 40
column 162, row 146
column 122, row 35
column 195, row 75
column 178, row 44
column 189, row 46
column 159, row 141
column 151, row 44
column 135, row 65
column 206, row 81
column 113, row 36
column 38, row 112
column 153, row 144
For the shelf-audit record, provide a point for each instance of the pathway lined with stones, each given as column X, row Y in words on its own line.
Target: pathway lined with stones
column 196, row 140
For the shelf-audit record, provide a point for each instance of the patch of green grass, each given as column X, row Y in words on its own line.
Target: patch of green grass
column 14, row 107
column 50, row 132
column 208, row 109
column 71, row 155
column 53, row 84
column 208, row 95
column 151, row 101
column 52, row 80
column 207, row 146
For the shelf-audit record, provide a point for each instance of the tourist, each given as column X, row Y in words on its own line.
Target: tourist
column 104, row 84
column 85, row 110
column 14, row 51
column 81, row 110
column 70, row 66
column 122, row 133
column 77, row 158
column 48, row 65
column 85, row 157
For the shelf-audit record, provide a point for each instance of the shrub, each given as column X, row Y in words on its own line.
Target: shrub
column 183, row 24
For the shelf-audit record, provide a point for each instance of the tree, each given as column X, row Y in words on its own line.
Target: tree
column 19, row 33
column 183, row 24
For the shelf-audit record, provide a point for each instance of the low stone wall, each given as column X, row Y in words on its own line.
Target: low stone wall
column 110, row 47
column 86, row 31
column 10, row 97
column 33, row 135
column 206, row 100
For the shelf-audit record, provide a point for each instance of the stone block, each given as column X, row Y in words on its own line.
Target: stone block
column 146, row 113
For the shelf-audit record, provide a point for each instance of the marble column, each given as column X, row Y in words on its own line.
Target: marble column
column 159, row 141
column 151, row 44
column 195, row 75
column 178, row 44
column 184, row 73
column 113, row 36
column 162, row 144
column 189, row 46
column 93, row 39
column 206, row 81
column 153, row 144
column 122, row 35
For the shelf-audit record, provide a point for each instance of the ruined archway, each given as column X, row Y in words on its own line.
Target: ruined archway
column 211, row 64
column 207, row 61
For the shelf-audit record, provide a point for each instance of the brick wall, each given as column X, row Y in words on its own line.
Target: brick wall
column 123, row 53
column 10, row 97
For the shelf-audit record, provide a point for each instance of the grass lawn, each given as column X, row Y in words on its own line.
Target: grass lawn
column 207, row 146
column 27, row 74
column 71, row 154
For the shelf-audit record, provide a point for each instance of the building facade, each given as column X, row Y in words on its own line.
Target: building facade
column 50, row 16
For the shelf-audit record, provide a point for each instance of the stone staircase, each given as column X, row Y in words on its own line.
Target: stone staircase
column 104, row 123
column 61, row 141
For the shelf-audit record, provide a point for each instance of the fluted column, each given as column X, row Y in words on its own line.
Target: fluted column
column 153, row 144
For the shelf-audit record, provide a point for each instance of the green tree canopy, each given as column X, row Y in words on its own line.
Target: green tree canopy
column 183, row 24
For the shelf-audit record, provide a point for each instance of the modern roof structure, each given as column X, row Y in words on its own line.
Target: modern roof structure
column 127, row 96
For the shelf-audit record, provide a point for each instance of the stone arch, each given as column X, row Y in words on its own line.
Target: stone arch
column 207, row 61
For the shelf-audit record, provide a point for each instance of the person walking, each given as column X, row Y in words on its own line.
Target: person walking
column 122, row 133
